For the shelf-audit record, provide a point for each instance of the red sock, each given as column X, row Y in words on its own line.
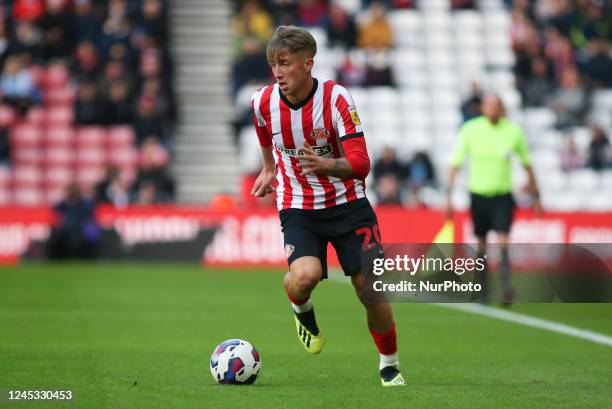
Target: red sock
column 386, row 342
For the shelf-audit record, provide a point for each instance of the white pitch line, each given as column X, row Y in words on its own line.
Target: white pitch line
column 517, row 318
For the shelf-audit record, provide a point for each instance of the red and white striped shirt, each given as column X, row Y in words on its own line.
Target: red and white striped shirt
column 324, row 119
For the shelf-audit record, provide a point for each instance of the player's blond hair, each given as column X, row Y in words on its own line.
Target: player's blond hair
column 291, row 38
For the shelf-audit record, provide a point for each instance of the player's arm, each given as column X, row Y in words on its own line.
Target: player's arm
column 457, row 159
column 523, row 153
column 263, row 183
column 354, row 165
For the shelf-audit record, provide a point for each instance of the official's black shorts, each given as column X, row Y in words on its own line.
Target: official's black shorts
column 491, row 213
column 351, row 228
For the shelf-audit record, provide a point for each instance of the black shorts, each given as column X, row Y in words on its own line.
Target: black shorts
column 352, row 228
column 491, row 213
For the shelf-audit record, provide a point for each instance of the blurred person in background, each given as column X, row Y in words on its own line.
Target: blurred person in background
column 89, row 107
column 312, row 13
column 251, row 67
column 374, row 29
column 389, row 176
column 537, row 88
column 470, row 107
column 569, row 101
column 489, row 141
column 153, row 167
column 17, row 85
column 571, row 158
column 597, row 69
column 147, row 121
column 341, row 28
column 600, row 154
column 113, row 189
column 251, row 19
column 76, row 234
column 421, row 174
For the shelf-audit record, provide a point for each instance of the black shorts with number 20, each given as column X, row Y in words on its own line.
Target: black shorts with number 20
column 351, row 228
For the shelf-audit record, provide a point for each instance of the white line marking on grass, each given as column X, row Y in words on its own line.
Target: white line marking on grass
column 530, row 321
column 517, row 318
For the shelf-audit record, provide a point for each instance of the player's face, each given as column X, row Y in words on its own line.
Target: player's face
column 492, row 107
column 292, row 71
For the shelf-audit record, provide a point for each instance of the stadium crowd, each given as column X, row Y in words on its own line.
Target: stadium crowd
column 562, row 55
column 87, row 101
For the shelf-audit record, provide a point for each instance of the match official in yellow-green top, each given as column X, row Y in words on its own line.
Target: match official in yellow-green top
column 490, row 141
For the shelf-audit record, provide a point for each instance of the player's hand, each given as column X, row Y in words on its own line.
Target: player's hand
column 263, row 183
column 448, row 209
column 310, row 162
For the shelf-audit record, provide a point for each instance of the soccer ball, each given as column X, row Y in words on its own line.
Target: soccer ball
column 235, row 362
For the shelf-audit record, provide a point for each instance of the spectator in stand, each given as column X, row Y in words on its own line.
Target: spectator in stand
column 538, row 86
column 389, row 175
column 147, row 194
column 470, row 107
column 5, row 147
column 600, row 155
column 571, row 158
column 251, row 67
column 86, row 62
column 89, row 107
column 56, row 25
column 463, row 4
column 597, row 69
column 85, row 24
column 284, row 12
column 420, row 174
column 120, row 104
column 153, row 165
column 17, row 85
column 378, row 68
column 4, row 42
column 76, row 235
column 312, row 13
column 113, row 72
column 374, row 31
column 351, row 73
column 152, row 20
column 28, row 39
column 251, row 20
column 147, row 121
column 341, row 29
column 569, row 101
column 113, row 189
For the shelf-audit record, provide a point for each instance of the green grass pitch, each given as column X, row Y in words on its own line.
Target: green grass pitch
column 141, row 335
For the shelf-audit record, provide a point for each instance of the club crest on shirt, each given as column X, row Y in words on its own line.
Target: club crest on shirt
column 289, row 248
column 319, row 135
column 355, row 117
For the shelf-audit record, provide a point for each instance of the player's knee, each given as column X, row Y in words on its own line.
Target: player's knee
column 303, row 278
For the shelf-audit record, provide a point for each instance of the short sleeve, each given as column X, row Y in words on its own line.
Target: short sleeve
column 521, row 148
column 344, row 114
column 265, row 139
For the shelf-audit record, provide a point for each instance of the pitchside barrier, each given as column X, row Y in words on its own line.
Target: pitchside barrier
column 252, row 238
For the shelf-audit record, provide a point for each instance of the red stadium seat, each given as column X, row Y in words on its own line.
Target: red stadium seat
column 27, row 175
column 6, row 196
column 35, row 116
column 7, row 116
column 27, row 155
column 124, row 157
column 26, row 135
column 28, row 196
column 63, row 97
column 59, row 155
column 60, row 136
column 121, row 136
column 92, row 156
column 89, row 176
column 91, row 136
column 60, row 115
column 55, row 195
column 5, row 176
column 58, row 176
column 56, row 76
